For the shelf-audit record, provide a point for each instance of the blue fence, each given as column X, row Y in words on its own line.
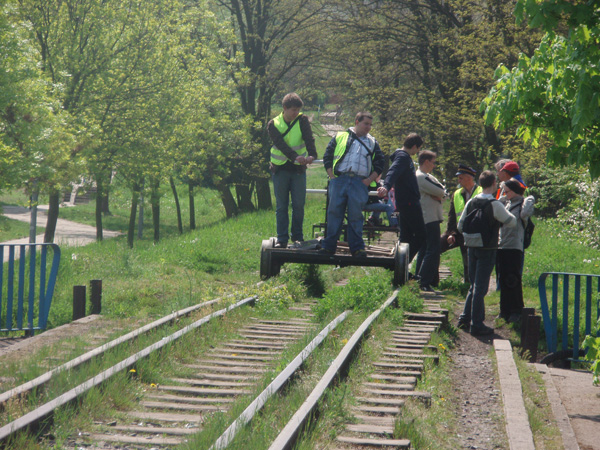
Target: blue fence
column 27, row 271
column 580, row 301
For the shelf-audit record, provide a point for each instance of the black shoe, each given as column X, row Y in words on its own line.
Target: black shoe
column 463, row 324
column 325, row 251
column 481, row 331
column 428, row 288
column 360, row 253
column 413, row 277
column 280, row 245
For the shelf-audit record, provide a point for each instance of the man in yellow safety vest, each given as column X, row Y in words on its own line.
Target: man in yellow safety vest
column 293, row 149
column 452, row 237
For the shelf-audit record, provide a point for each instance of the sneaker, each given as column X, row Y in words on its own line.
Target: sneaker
column 360, row 254
column 280, row 245
column 481, row 331
column 325, row 251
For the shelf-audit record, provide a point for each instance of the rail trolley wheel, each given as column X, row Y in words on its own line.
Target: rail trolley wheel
column 267, row 268
column 400, row 264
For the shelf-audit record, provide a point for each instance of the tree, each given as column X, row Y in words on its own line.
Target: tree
column 555, row 93
column 274, row 37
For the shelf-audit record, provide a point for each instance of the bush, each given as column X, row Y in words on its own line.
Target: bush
column 553, row 189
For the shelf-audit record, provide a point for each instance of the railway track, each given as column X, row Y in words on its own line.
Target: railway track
column 171, row 413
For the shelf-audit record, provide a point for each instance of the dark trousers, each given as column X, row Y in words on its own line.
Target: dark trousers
column 459, row 242
column 508, row 268
column 412, row 228
column 428, row 260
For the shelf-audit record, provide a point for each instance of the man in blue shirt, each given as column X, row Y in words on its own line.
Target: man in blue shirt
column 353, row 160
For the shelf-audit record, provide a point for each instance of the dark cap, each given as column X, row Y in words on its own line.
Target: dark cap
column 514, row 185
column 511, row 167
column 463, row 168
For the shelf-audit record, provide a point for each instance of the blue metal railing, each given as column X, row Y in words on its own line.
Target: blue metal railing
column 11, row 315
column 570, row 306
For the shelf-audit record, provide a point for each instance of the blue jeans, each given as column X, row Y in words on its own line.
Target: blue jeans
column 428, row 259
column 286, row 184
column 481, row 264
column 385, row 207
column 349, row 193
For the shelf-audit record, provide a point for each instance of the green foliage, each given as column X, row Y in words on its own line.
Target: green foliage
column 592, row 344
column 364, row 294
column 553, row 189
column 555, row 92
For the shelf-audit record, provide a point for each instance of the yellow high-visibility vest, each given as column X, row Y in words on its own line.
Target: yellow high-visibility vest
column 293, row 138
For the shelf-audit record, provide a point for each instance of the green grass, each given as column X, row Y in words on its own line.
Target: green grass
column 14, row 229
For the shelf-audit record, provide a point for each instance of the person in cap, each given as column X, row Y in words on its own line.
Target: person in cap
column 293, row 148
column 510, row 251
column 402, row 177
column 481, row 239
column 452, row 238
column 506, row 170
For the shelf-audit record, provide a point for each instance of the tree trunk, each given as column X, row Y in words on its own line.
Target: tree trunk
column 192, row 206
column 231, row 208
column 177, row 206
column 134, row 203
column 99, row 208
column 155, row 203
column 244, row 198
column 105, row 195
column 263, row 194
column 53, row 205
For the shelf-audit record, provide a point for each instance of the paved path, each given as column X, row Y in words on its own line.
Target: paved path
column 67, row 233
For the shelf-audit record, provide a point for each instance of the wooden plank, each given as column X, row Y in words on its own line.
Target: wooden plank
column 186, row 399
column 227, row 364
column 242, row 357
column 367, row 428
column 399, row 365
column 149, row 440
column 380, row 401
column 377, row 376
column 378, row 409
column 177, row 431
column 180, row 406
column 213, row 383
column 260, row 344
column 230, row 370
column 251, row 335
column 243, row 351
column 395, row 386
column 204, row 391
column 404, row 443
column 404, row 373
column 375, row 420
column 420, row 394
column 414, row 356
column 203, row 376
column 270, row 348
column 166, row 417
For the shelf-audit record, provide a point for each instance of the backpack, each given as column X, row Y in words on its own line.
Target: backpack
column 529, row 227
column 480, row 220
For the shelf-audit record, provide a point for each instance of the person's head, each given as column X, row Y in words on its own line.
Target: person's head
column 512, row 188
column 292, row 104
column 413, row 143
column 466, row 176
column 487, row 179
column 426, row 160
column 509, row 170
column 363, row 123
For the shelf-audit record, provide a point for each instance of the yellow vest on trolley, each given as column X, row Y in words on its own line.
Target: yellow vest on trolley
column 293, row 138
column 341, row 140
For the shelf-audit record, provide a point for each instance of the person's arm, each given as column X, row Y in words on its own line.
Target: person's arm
column 278, row 142
column 501, row 215
column 527, row 208
column 451, row 226
column 308, row 138
column 395, row 171
column 430, row 186
column 377, row 166
column 328, row 157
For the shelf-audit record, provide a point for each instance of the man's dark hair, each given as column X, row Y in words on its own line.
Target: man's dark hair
column 292, row 100
column 425, row 155
column 361, row 115
column 413, row 139
column 486, row 179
